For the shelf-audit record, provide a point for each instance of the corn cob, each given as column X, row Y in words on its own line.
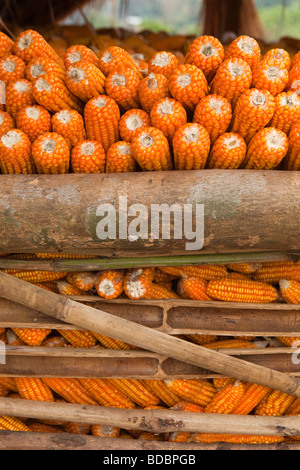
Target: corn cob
column 19, row 93
column 226, row 399
column 85, row 80
column 166, row 395
column 230, row 344
column 151, row 150
column 70, row 389
column 77, row 428
column 275, row 404
column 106, row 394
column 34, row 121
column 88, row 156
column 119, row 158
column 70, row 125
column 10, row 423
column 84, row 281
column 157, row 291
column 51, row 154
column 136, row 391
column 103, row 430
column 253, row 395
column 151, row 89
column 160, row 277
column 205, row 271
column 289, row 341
column 55, row 341
column 132, row 120
column 111, row 343
column 163, row 62
column 33, row 388
column 209, row 438
column 6, row 45
column 290, row 291
column 50, row 288
column 227, row 152
column 113, row 57
column 39, row 66
column 62, row 255
column 9, row 383
column 150, row 436
column 294, row 408
column 270, row 76
column 168, row 115
column 78, row 338
column 42, row 427
column 292, row 161
column 11, row 68
column 197, row 391
column 6, row 122
column 122, row 86
column 287, row 111
column 194, row 288
column 278, row 55
column 79, row 53
column 254, row 110
column 266, row 149
column 4, row 391
column 30, row 43
column 246, row 48
column 207, row 53
column 101, row 116
column 36, row 276
column 221, row 382
column 15, row 153
column 233, row 77
column 32, row 336
column 191, row 146
column 244, row 268
column 202, row 339
column 181, row 436
column 137, row 282
column 12, row 339
column 293, row 83
column 110, row 284
column 214, row 112
column 273, row 271
column 295, row 59
column 231, row 290
column 52, row 93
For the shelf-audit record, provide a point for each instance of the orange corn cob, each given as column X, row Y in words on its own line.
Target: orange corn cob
column 287, row 111
column 181, row 436
column 4, row 391
column 19, row 93
column 11, row 68
column 289, row 341
column 88, row 156
column 122, row 86
column 103, row 430
column 214, row 112
column 77, row 428
column 79, row 53
column 197, row 391
column 151, row 89
column 9, row 382
column 253, row 395
column 136, row 391
column 151, row 150
column 166, row 395
column 168, row 115
column 51, row 154
column 246, row 48
column 39, row 66
column 278, row 55
column 221, row 382
column 34, row 121
column 110, row 284
column 6, row 45
column 113, row 57
column 85, row 80
column 70, row 125
column 245, row 268
column 111, row 343
column 84, row 281
column 42, row 427
column 15, row 153
column 207, row 53
column 30, row 43
column 55, row 341
column 273, row 271
column 157, row 291
column 201, row 338
column 70, row 389
column 233, row 77
column 230, row 344
column 194, row 288
column 35, row 276
column 226, row 399
column 275, row 404
column 231, row 290
column 254, row 110
column 33, row 388
column 266, row 149
column 293, row 83
column 62, row 255
column 32, row 336
column 270, row 76
column 227, row 152
column 106, row 394
column 78, row 338
column 295, row 60
column 292, row 160
column 191, row 146
column 12, row 339
column 241, row 276
column 132, row 120
column 205, row 271
column 163, row 62
column 290, row 291
column 52, row 93
column 209, row 438
column 160, row 277
column 101, row 116
column 187, row 84
column 151, row 436
column 119, row 158
column 137, row 282
column 10, row 423
column 6, row 122
column 294, row 408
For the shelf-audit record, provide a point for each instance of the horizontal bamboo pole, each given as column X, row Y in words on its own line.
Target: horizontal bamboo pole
column 155, row 420
column 102, row 322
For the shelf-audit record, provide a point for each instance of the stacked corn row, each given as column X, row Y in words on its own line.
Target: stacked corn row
column 105, row 111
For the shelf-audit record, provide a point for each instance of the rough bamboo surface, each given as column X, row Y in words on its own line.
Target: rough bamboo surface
column 41, row 213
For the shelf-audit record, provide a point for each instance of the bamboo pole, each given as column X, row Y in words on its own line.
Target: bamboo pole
column 102, row 322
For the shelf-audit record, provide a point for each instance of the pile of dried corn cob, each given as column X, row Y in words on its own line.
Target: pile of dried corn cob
column 105, row 111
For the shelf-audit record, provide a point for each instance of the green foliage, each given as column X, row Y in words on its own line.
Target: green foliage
column 279, row 21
